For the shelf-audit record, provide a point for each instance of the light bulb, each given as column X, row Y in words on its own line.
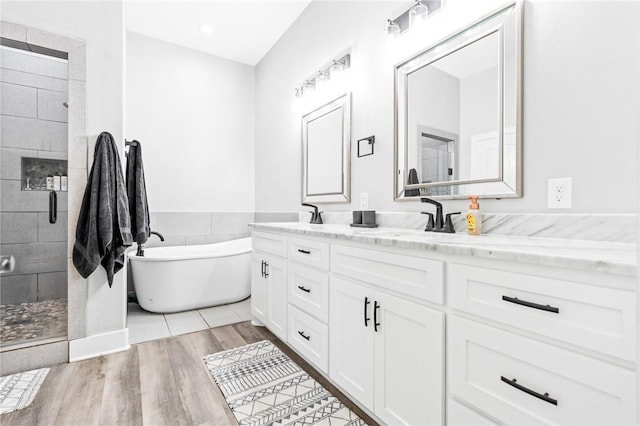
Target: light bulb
column 321, row 79
column 418, row 14
column 336, row 69
column 298, row 91
column 393, row 29
column 309, row 86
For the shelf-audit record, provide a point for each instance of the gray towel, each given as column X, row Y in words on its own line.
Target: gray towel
column 104, row 228
column 412, row 180
column 137, row 193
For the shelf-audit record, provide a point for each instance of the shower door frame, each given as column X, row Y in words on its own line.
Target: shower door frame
column 40, row 355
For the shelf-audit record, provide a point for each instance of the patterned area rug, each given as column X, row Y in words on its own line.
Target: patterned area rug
column 18, row 390
column 263, row 386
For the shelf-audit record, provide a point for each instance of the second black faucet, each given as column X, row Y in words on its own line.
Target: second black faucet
column 440, row 224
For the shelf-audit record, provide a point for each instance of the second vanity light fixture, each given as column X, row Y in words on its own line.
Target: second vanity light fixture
column 330, row 72
column 413, row 18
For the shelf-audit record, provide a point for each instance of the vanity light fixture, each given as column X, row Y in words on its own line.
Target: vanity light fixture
column 206, row 29
column 336, row 69
column 308, row 86
column 331, row 71
column 393, row 29
column 414, row 17
column 418, row 14
column 321, row 79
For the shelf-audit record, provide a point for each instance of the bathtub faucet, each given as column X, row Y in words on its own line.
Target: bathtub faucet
column 158, row 234
column 140, row 251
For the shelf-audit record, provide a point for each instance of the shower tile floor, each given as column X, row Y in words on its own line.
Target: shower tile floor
column 145, row 326
column 28, row 322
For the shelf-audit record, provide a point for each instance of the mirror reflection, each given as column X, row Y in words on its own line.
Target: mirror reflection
column 457, row 114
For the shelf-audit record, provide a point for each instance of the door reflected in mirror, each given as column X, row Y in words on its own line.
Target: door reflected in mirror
column 457, row 114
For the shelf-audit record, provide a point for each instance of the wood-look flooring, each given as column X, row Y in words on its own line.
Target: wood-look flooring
column 163, row 382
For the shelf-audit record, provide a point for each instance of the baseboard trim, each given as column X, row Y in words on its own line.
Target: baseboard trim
column 98, row 345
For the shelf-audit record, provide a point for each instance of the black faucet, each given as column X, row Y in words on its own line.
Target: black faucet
column 439, row 219
column 158, row 234
column 316, row 216
column 440, row 224
column 140, row 251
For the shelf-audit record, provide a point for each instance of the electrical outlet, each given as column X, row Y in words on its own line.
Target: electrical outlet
column 364, row 201
column 559, row 193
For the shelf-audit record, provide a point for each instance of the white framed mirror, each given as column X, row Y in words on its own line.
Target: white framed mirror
column 326, row 137
column 458, row 114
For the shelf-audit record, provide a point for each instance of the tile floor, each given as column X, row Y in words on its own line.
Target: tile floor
column 145, row 326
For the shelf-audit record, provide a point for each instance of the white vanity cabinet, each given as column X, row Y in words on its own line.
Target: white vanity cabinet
column 269, row 282
column 533, row 348
column 388, row 353
column 425, row 337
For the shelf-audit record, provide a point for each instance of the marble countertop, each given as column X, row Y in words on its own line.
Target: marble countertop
column 597, row 256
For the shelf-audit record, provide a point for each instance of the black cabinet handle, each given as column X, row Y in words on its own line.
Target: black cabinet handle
column 53, row 207
column 376, row 324
column 545, row 396
column 306, row 290
column 304, row 336
column 262, row 273
column 266, row 265
column 366, row 318
column 304, row 251
column 517, row 301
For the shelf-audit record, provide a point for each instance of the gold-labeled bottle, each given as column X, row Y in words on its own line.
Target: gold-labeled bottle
column 474, row 218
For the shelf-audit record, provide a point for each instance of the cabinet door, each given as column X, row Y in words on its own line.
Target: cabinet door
column 259, row 288
column 409, row 362
column 276, row 271
column 350, row 341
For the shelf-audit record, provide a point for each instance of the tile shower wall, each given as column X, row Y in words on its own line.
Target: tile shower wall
column 34, row 124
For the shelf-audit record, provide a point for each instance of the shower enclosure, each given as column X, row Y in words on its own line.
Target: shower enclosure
column 33, row 194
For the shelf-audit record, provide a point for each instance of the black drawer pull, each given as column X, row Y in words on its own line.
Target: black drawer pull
column 545, row 397
column 262, row 273
column 517, row 301
column 304, row 336
column 304, row 251
column 266, row 265
column 366, row 318
column 376, row 324
column 306, row 290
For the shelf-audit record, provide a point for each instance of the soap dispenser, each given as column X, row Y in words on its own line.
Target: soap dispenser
column 474, row 218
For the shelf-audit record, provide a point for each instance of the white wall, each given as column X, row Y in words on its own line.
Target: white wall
column 101, row 25
column 193, row 114
column 580, row 100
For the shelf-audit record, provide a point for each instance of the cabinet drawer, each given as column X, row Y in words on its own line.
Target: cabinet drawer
column 310, row 337
column 414, row 276
column 309, row 291
column 309, row 252
column 459, row 414
column 552, row 385
column 598, row 318
column 270, row 243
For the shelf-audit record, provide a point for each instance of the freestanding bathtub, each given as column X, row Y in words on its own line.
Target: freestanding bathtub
column 181, row 278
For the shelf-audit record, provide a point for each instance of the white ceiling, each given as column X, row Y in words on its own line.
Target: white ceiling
column 483, row 54
column 244, row 30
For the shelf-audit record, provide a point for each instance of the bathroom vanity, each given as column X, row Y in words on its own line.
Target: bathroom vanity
column 421, row 328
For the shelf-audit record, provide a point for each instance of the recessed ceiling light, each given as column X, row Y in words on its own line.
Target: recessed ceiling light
column 206, row 28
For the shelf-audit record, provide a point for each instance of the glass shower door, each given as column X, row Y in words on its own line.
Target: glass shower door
column 33, row 198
